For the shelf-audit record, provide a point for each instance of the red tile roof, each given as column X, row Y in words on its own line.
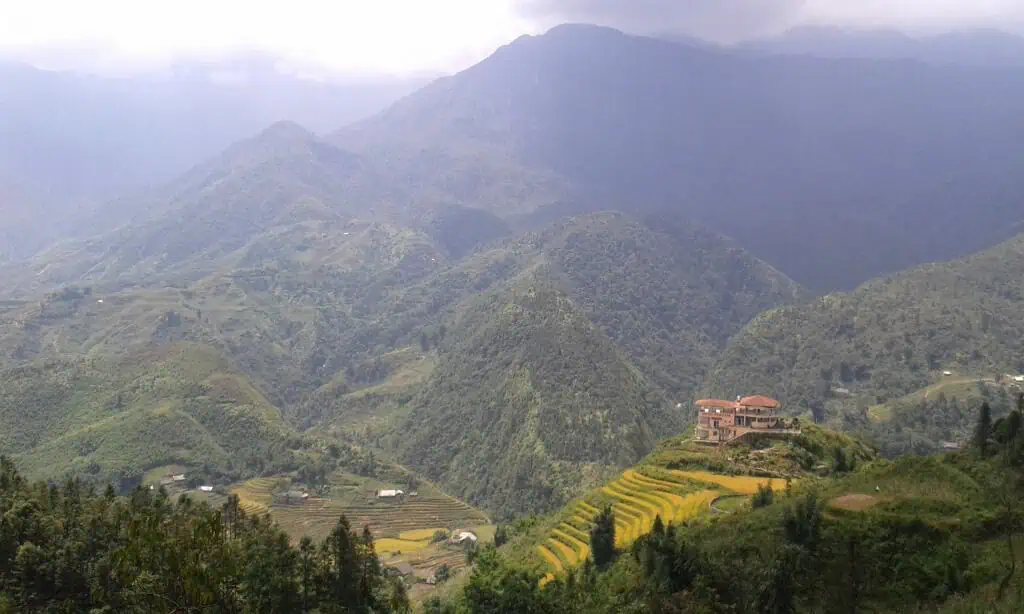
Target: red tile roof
column 719, row 403
column 759, row 401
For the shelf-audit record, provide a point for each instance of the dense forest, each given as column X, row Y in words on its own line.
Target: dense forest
column 67, row 548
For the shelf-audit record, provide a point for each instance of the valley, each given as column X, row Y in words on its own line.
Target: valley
column 459, row 345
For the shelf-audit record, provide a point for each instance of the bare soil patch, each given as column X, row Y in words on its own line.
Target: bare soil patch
column 855, row 502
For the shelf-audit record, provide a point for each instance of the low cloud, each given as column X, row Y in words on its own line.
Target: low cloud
column 733, row 20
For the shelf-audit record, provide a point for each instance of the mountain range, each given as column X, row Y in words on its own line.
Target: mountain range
column 71, row 141
column 518, row 278
column 968, row 48
column 804, row 161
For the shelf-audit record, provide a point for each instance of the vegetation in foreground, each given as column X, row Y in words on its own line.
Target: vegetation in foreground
column 936, row 534
column 68, row 549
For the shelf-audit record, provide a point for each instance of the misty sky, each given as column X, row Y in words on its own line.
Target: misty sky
column 403, row 36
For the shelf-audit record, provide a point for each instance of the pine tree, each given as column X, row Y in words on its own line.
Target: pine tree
column 500, row 536
column 602, row 538
column 764, row 496
column 398, row 602
column 983, row 431
column 658, row 528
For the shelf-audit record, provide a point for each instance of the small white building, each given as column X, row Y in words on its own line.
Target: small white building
column 389, row 494
column 206, row 488
column 464, row 536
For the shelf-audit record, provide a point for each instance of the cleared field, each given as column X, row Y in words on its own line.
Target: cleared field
column 952, row 386
column 637, row 499
column 406, row 521
column 742, row 484
column 854, row 502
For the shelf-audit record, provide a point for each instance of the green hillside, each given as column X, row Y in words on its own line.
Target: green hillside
column 529, row 396
column 668, row 291
column 362, row 330
column 682, row 481
column 845, row 353
column 937, row 534
column 114, row 418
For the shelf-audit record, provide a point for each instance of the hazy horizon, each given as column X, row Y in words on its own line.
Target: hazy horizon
column 401, row 38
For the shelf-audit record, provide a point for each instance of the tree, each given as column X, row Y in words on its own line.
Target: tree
column 658, row 528
column 500, row 536
column 839, row 464
column 471, row 551
column 764, row 496
column 602, row 538
column 424, row 342
column 435, row 606
column 983, row 430
column 398, row 602
column 802, row 522
column 442, row 573
column 496, row 588
column 778, row 594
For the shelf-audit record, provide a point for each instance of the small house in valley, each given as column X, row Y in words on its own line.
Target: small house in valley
column 389, row 494
column 720, row 421
column 464, row 537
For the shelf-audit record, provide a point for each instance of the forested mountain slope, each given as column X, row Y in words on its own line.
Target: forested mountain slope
column 530, row 396
column 111, row 419
column 888, row 338
column 668, row 291
column 803, row 161
column 627, row 319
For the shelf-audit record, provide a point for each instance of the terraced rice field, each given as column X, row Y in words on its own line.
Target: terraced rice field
column 637, row 499
column 390, row 544
column 255, row 496
column 407, row 541
column 742, row 484
column 406, row 522
column 419, row 534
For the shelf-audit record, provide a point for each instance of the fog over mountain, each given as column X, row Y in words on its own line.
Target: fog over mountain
column 70, row 141
column 731, row 21
column 985, row 47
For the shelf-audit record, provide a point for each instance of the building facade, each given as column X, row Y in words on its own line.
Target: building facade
column 721, row 421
